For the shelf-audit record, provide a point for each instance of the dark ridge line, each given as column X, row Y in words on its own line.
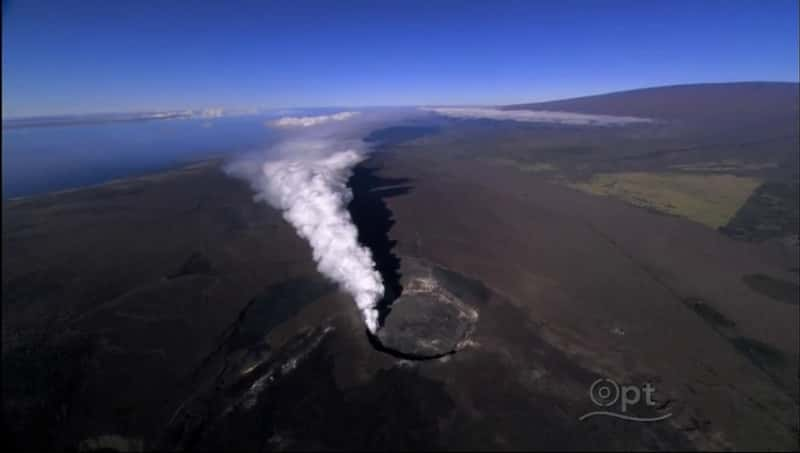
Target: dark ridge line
column 373, row 220
column 687, row 149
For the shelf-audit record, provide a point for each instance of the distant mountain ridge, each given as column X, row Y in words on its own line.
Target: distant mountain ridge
column 687, row 102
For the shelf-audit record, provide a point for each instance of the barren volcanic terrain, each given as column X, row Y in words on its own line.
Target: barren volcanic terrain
column 172, row 311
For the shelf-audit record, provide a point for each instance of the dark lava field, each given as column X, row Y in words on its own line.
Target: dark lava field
column 522, row 263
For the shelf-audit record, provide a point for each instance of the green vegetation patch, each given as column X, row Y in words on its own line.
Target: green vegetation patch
column 530, row 167
column 772, row 211
column 761, row 354
column 708, row 199
column 726, row 165
column 709, row 313
column 774, row 288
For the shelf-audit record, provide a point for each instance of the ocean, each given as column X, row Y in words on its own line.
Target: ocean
column 49, row 158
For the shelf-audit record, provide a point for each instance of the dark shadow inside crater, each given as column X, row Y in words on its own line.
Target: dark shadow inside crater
column 376, row 343
column 374, row 220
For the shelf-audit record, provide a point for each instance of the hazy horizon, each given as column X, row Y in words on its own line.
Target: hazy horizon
column 288, row 109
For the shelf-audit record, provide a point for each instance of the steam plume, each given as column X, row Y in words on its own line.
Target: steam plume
column 306, row 178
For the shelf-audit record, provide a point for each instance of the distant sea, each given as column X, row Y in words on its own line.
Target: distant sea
column 41, row 159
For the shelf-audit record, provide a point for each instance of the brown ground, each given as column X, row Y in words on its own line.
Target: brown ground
column 173, row 312
column 582, row 266
column 123, row 305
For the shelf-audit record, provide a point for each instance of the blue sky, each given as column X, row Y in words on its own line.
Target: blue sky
column 115, row 56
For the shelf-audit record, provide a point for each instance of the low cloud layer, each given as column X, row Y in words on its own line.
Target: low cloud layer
column 305, row 176
column 535, row 116
column 308, row 121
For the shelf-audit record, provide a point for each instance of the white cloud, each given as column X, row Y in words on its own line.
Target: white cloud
column 307, row 121
column 535, row 116
column 212, row 112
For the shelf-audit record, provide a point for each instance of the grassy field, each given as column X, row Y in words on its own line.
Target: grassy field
column 532, row 167
column 708, row 199
column 701, row 192
column 726, row 165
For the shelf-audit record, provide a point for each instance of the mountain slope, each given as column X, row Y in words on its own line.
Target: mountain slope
column 686, row 102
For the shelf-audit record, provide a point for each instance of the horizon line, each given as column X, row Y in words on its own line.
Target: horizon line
column 256, row 110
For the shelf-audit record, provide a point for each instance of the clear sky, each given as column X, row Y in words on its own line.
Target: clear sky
column 117, row 56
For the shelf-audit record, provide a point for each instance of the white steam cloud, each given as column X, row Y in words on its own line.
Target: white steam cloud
column 306, row 178
column 535, row 116
column 307, row 121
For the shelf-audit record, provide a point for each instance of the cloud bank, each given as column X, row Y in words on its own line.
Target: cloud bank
column 535, row 116
column 308, row 121
column 305, row 176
